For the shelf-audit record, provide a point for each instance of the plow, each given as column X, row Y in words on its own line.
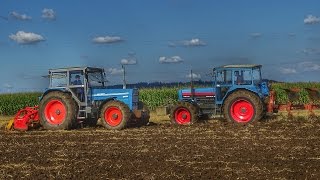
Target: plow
column 310, row 105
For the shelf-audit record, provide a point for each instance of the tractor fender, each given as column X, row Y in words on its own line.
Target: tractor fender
column 64, row 90
column 195, row 104
column 104, row 102
column 237, row 89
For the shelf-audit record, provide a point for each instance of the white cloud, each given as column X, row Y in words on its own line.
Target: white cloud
column 300, row 67
column 194, row 76
column 22, row 17
column 107, row 39
column 22, row 37
column 194, row 42
column 129, row 61
column 310, row 19
column 8, row 86
column 309, row 66
column 255, row 35
column 284, row 70
column 309, row 51
column 172, row 44
column 48, row 14
column 173, row 59
column 114, row 71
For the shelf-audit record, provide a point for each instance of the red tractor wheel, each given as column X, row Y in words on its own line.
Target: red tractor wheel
column 57, row 111
column 115, row 115
column 184, row 113
column 242, row 111
column 243, row 106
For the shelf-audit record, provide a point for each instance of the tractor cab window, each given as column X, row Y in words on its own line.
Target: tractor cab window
column 256, row 75
column 77, row 84
column 224, row 77
column 76, row 78
column 95, row 79
column 242, row 77
column 59, row 79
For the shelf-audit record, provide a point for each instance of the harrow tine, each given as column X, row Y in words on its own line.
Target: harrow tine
column 9, row 125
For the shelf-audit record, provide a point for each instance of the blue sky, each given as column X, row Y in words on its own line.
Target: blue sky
column 157, row 40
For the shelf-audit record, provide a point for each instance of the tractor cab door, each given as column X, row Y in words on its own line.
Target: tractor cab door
column 77, row 84
column 223, row 82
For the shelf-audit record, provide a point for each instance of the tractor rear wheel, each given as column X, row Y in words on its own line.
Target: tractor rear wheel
column 243, row 106
column 184, row 113
column 115, row 115
column 57, row 111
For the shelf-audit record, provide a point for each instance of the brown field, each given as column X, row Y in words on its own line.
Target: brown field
column 269, row 149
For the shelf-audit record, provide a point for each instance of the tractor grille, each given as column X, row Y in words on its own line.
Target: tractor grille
column 205, row 103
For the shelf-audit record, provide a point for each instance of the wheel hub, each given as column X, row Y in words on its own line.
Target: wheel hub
column 243, row 110
column 184, row 116
column 58, row 112
column 115, row 116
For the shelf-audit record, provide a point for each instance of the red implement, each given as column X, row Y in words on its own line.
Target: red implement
column 25, row 118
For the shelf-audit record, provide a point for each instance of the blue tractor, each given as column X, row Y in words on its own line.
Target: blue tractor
column 80, row 94
column 238, row 93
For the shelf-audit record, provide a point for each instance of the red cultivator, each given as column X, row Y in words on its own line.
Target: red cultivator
column 293, row 96
column 24, row 119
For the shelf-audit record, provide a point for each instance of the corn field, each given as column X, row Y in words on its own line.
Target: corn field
column 156, row 97
column 282, row 95
column 11, row 103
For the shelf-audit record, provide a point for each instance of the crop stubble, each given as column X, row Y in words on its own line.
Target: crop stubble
column 214, row 150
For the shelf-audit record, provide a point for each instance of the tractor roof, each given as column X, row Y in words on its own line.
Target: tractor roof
column 240, row 66
column 75, row 69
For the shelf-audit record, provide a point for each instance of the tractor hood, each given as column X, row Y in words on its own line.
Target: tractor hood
column 128, row 96
column 196, row 92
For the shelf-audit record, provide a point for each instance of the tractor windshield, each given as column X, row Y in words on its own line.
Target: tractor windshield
column 96, row 79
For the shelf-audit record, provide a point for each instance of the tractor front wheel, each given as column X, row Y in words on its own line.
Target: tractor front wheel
column 184, row 113
column 243, row 106
column 57, row 111
column 115, row 115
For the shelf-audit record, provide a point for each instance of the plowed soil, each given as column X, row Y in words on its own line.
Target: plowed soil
column 274, row 149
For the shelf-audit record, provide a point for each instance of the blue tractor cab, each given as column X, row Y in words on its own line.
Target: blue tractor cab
column 237, row 92
column 80, row 93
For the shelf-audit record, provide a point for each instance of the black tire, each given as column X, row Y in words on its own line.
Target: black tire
column 57, row 111
column 243, row 107
column 184, row 113
column 144, row 120
column 116, row 109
